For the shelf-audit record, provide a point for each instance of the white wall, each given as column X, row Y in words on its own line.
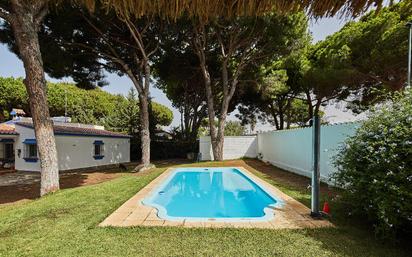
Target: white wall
column 205, row 148
column 233, row 148
column 19, row 162
column 287, row 149
column 75, row 152
column 292, row 149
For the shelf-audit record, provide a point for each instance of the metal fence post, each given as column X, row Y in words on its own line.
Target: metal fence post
column 315, row 175
column 409, row 24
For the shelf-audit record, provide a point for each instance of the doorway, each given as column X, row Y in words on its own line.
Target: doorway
column 9, row 151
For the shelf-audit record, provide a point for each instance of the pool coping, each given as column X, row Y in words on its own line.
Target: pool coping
column 290, row 214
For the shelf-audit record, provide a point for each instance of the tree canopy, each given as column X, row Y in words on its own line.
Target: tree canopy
column 371, row 52
column 86, row 106
column 234, row 128
column 206, row 10
column 180, row 79
column 357, row 65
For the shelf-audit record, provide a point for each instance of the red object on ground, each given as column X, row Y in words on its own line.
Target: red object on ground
column 326, row 208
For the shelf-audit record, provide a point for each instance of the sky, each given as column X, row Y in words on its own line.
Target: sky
column 10, row 65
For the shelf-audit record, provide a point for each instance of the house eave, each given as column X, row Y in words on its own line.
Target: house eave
column 57, row 133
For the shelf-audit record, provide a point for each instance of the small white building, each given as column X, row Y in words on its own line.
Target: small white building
column 78, row 146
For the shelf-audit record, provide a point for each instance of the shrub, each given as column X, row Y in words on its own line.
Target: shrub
column 163, row 150
column 375, row 167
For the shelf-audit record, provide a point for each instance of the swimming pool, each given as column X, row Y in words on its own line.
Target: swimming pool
column 211, row 193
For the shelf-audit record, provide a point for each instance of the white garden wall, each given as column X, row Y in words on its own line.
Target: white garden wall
column 233, row 148
column 292, row 149
column 287, row 149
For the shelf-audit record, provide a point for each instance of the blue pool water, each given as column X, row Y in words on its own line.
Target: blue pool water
column 209, row 193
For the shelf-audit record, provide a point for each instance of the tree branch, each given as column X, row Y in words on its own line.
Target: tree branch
column 154, row 50
column 199, row 42
column 39, row 17
column 222, row 45
column 137, row 37
column 4, row 14
column 116, row 59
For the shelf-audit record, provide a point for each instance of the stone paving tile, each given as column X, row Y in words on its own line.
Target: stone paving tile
column 281, row 224
column 261, row 224
column 292, row 214
column 143, row 208
column 126, row 210
column 114, row 220
column 119, row 215
column 241, row 225
column 138, row 215
column 173, row 223
column 297, row 207
column 153, row 215
column 130, row 204
column 153, row 223
column 132, row 222
column 194, row 224
column 219, row 224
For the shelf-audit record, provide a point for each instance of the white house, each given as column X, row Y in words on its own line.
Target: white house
column 78, row 146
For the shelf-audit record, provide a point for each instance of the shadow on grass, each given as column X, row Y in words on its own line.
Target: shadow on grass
column 29, row 190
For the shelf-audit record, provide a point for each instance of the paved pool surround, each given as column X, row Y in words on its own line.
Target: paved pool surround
column 290, row 214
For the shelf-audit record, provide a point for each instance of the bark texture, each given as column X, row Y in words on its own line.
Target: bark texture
column 25, row 21
column 144, row 130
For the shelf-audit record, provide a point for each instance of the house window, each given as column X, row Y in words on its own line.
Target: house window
column 98, row 149
column 30, row 150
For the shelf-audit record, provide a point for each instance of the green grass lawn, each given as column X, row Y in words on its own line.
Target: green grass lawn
column 65, row 224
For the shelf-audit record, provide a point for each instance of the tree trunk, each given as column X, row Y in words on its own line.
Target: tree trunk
column 187, row 122
column 217, row 154
column 25, row 26
column 194, row 131
column 144, row 129
column 181, row 120
column 198, row 117
column 215, row 135
column 281, row 116
column 274, row 115
column 310, row 107
column 220, row 137
column 317, row 107
column 288, row 113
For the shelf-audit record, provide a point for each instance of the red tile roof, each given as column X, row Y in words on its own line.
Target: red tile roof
column 7, row 130
column 78, row 131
